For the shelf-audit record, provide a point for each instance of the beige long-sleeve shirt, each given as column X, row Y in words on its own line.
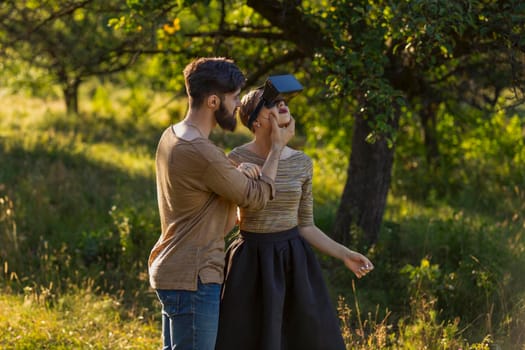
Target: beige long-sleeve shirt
column 198, row 187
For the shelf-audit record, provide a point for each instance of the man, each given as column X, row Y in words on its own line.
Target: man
column 198, row 189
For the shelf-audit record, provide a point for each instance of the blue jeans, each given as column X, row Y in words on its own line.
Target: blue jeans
column 190, row 318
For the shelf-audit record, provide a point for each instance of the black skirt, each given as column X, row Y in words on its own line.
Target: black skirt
column 274, row 296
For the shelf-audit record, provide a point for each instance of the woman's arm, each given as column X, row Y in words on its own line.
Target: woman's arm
column 356, row 262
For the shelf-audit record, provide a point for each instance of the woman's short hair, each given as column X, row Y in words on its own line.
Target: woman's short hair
column 248, row 104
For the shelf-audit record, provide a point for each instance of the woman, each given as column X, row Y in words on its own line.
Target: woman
column 274, row 296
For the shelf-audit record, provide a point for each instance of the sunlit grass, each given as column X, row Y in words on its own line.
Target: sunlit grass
column 134, row 162
column 21, row 112
column 73, row 321
column 329, row 175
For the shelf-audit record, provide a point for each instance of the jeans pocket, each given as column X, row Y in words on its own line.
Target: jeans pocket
column 176, row 302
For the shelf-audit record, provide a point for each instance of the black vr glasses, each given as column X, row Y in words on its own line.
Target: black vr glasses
column 285, row 86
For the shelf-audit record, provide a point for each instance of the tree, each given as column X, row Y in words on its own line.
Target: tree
column 379, row 55
column 386, row 54
column 70, row 40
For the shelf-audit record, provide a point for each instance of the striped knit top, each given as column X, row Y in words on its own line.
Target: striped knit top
column 293, row 203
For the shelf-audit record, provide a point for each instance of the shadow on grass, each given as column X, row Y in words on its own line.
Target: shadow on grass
column 77, row 220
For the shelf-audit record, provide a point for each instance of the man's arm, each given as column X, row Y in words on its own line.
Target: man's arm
column 225, row 180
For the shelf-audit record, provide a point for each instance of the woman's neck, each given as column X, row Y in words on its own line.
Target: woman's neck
column 261, row 146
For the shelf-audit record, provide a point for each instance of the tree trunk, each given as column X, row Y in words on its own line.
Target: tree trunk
column 70, row 90
column 428, row 121
column 368, row 179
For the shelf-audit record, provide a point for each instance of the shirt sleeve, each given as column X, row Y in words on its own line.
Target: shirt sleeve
column 223, row 178
column 305, row 214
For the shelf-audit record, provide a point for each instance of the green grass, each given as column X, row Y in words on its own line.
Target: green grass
column 78, row 320
column 78, row 216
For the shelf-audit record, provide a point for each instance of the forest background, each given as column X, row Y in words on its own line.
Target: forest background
column 412, row 112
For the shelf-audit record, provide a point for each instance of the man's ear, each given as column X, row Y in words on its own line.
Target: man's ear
column 214, row 101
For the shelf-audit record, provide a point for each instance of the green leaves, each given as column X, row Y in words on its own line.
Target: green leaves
column 387, row 52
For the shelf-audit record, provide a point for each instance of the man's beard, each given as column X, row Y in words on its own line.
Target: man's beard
column 226, row 120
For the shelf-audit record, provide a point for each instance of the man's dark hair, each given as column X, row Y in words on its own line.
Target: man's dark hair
column 211, row 75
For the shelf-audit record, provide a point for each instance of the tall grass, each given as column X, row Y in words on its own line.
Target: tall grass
column 80, row 319
column 78, row 216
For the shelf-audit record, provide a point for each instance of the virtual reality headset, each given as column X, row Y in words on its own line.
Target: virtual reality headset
column 284, row 86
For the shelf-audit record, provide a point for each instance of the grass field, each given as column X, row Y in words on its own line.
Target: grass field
column 78, row 216
column 80, row 320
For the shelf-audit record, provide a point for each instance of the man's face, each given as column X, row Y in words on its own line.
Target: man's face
column 225, row 115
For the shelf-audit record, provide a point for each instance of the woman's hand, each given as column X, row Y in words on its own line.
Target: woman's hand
column 358, row 263
column 253, row 171
column 281, row 135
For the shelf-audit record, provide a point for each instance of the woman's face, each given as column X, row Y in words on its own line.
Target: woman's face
column 280, row 110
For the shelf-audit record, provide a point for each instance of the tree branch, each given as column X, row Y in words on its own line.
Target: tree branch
column 265, row 68
column 62, row 12
column 285, row 15
column 238, row 34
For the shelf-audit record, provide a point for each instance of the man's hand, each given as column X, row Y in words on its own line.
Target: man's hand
column 253, row 171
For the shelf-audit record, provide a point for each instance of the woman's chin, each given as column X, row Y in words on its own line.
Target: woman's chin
column 284, row 123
